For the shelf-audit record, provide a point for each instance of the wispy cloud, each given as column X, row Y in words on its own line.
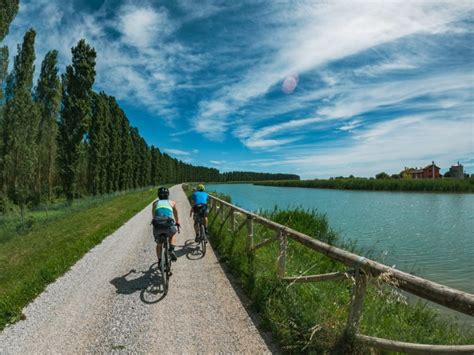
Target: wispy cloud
column 176, row 151
column 143, row 26
column 324, row 33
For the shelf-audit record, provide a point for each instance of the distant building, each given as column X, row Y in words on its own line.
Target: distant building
column 431, row 171
column 428, row 172
column 456, row 171
column 412, row 173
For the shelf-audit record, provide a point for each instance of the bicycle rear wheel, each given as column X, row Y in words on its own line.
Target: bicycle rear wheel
column 203, row 238
column 164, row 267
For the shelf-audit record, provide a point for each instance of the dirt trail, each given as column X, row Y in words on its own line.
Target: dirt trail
column 110, row 301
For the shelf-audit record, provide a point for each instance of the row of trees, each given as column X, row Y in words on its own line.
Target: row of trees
column 253, row 176
column 62, row 138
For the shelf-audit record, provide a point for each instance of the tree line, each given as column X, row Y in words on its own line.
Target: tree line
column 253, row 176
column 60, row 137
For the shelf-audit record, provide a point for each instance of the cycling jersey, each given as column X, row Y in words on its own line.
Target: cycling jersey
column 200, row 197
column 163, row 208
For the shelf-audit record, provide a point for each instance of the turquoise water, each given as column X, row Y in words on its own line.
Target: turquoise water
column 427, row 234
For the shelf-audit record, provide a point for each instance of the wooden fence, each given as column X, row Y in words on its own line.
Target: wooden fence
column 361, row 269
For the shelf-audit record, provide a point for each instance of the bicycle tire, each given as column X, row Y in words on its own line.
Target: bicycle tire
column 203, row 237
column 168, row 259
column 164, row 267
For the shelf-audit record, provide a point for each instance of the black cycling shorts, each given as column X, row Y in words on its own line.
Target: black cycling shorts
column 200, row 211
column 161, row 227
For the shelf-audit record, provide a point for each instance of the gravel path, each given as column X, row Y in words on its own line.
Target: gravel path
column 111, row 301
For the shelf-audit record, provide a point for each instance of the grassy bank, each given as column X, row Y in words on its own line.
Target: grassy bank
column 439, row 185
column 34, row 252
column 310, row 318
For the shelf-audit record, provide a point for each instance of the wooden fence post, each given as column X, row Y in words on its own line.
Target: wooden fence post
column 282, row 256
column 249, row 234
column 357, row 302
column 232, row 220
column 222, row 211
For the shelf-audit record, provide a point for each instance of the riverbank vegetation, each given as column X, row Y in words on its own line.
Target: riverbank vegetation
column 422, row 185
column 47, row 242
column 311, row 317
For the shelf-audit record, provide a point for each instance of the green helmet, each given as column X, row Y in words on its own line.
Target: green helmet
column 200, row 187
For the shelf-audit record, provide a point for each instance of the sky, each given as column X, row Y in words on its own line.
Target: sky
column 315, row 88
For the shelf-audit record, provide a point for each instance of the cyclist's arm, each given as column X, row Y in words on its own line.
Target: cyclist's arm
column 175, row 213
column 192, row 206
column 153, row 209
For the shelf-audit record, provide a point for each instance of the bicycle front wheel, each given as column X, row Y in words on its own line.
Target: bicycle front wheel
column 203, row 238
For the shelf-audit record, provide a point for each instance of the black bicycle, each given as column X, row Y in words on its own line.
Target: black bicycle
column 165, row 257
column 202, row 236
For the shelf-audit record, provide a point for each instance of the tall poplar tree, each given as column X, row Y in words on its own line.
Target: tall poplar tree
column 8, row 10
column 20, row 125
column 76, row 113
column 3, row 78
column 48, row 98
column 113, row 158
column 99, row 145
column 126, row 154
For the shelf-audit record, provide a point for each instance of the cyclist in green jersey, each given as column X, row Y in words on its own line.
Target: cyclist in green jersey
column 165, row 209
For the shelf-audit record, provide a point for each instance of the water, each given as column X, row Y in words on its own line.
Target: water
column 428, row 234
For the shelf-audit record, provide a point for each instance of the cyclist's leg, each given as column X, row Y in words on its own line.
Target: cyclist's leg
column 206, row 213
column 196, row 226
column 158, row 244
column 158, row 250
column 173, row 245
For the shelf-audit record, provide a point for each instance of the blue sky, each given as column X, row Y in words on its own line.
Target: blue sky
column 317, row 88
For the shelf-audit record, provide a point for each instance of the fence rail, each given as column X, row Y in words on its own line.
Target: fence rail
column 362, row 269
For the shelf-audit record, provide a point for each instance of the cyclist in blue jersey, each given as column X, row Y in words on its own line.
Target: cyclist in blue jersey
column 165, row 220
column 199, row 207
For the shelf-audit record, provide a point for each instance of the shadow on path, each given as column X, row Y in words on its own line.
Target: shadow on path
column 149, row 283
column 192, row 250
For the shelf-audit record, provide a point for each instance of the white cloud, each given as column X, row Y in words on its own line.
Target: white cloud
column 354, row 99
column 207, row 124
column 143, row 26
column 259, row 138
column 397, row 64
column 351, row 125
column 176, row 151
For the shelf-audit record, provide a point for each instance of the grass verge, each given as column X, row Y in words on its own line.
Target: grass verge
column 311, row 317
column 36, row 251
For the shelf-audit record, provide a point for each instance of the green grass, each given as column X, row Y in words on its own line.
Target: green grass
column 33, row 253
column 423, row 185
column 310, row 318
